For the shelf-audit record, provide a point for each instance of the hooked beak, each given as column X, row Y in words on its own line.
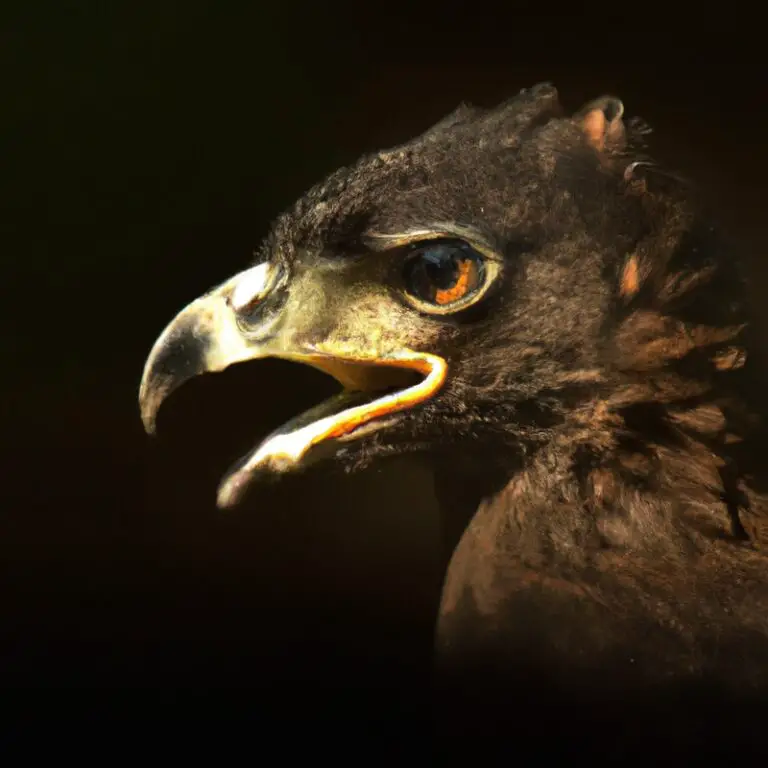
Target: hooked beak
column 206, row 337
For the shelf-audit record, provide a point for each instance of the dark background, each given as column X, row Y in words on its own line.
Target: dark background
column 147, row 148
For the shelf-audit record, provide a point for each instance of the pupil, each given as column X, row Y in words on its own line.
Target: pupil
column 442, row 268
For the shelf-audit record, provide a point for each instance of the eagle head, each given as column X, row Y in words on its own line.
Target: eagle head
column 512, row 277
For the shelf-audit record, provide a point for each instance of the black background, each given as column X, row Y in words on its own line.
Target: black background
column 147, row 148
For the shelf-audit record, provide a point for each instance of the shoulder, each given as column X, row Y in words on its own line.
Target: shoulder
column 541, row 584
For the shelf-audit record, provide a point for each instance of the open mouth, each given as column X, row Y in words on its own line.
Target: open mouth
column 208, row 336
column 375, row 393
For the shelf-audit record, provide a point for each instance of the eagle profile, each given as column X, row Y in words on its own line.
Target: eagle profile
column 523, row 296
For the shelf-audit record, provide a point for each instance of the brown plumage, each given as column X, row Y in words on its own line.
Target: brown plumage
column 598, row 424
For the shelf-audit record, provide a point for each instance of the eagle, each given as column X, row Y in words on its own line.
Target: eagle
column 526, row 298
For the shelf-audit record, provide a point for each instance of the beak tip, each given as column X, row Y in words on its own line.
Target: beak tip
column 225, row 499
column 150, row 427
column 148, row 409
column 232, row 489
column 152, row 394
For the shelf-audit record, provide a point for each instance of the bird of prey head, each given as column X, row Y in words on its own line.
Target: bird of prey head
column 523, row 288
column 510, row 278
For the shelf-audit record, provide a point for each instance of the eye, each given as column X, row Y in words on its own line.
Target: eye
column 444, row 274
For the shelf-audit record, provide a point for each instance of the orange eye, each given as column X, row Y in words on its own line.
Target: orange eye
column 444, row 273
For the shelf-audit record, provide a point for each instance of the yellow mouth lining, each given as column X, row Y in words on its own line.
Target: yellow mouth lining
column 433, row 369
column 285, row 450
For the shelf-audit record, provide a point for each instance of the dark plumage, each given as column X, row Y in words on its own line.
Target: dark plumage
column 597, row 420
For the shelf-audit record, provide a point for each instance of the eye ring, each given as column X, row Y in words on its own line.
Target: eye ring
column 445, row 276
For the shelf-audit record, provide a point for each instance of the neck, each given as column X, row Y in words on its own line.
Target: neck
column 653, row 504
column 616, row 544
